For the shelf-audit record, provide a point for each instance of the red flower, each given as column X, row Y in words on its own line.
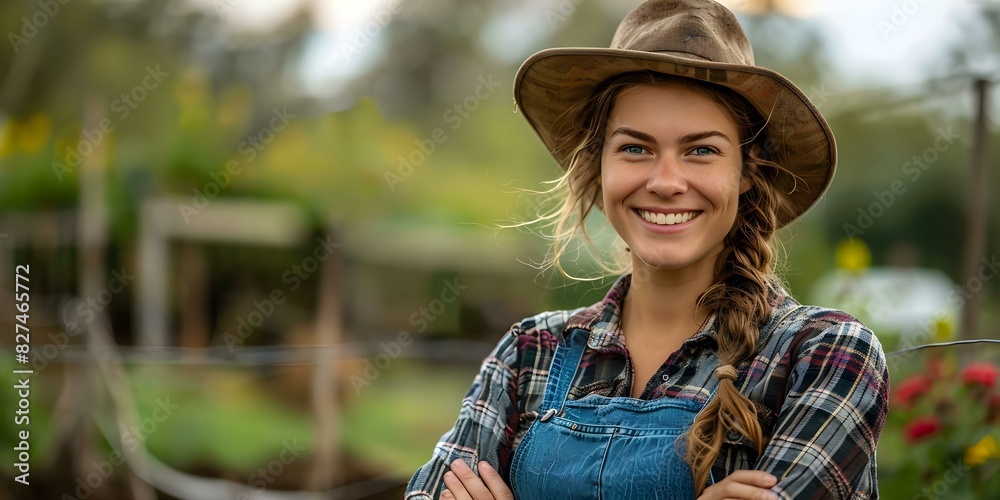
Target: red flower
column 981, row 373
column 911, row 388
column 921, row 427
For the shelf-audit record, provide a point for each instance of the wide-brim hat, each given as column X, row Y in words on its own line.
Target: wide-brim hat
column 697, row 39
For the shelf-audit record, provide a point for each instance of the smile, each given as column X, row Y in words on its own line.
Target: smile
column 667, row 219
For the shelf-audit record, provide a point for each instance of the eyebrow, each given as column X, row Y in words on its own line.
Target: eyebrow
column 696, row 136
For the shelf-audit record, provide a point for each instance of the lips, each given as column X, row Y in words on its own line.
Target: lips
column 667, row 219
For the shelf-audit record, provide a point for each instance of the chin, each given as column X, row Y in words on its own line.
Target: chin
column 661, row 261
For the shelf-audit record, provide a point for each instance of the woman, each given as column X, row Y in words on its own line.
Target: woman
column 697, row 376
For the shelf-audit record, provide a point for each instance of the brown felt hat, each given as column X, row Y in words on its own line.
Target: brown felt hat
column 697, row 39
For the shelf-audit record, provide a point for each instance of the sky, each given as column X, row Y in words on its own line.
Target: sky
column 893, row 42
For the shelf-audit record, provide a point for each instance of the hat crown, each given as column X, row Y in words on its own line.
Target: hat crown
column 696, row 29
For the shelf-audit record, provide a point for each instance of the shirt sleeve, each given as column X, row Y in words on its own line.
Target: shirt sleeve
column 829, row 424
column 480, row 433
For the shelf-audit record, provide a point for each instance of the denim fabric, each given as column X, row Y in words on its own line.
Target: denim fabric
column 602, row 447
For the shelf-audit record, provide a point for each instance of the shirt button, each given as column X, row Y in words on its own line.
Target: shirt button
column 665, row 377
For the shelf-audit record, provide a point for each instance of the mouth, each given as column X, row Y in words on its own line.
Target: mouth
column 661, row 219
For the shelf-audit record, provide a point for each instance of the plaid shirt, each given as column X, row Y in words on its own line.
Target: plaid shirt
column 819, row 383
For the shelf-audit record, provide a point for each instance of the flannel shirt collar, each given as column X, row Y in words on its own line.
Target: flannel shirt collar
column 603, row 321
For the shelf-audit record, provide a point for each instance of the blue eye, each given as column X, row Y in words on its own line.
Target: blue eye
column 702, row 151
column 632, row 149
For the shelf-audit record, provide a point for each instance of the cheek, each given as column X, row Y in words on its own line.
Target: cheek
column 726, row 196
column 612, row 185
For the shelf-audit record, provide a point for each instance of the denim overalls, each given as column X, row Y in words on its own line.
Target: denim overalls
column 601, row 447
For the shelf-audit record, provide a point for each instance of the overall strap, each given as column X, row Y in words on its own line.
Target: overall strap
column 563, row 370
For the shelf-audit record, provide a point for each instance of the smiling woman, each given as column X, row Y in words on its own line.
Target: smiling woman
column 698, row 375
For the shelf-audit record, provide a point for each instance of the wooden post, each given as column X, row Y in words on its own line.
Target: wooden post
column 975, row 220
column 195, row 323
column 326, row 418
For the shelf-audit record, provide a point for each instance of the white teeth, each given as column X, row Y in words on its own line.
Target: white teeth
column 667, row 219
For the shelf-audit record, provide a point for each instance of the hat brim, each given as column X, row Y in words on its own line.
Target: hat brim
column 552, row 83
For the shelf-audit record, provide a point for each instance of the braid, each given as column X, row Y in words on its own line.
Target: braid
column 739, row 299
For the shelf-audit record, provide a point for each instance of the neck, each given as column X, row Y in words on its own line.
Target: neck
column 664, row 301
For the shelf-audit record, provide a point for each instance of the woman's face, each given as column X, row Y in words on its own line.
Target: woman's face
column 671, row 174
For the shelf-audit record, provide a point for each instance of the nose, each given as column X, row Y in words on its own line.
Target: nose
column 667, row 177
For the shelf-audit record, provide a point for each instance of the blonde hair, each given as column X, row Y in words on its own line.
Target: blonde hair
column 744, row 270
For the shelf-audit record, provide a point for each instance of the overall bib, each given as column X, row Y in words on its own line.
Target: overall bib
column 601, row 447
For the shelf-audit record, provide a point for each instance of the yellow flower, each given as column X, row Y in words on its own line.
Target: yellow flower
column 853, row 255
column 943, row 328
column 982, row 451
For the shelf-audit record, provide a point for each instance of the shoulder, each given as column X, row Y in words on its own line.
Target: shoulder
column 812, row 327
column 821, row 347
column 799, row 327
column 543, row 329
column 534, row 335
column 802, row 338
column 548, row 323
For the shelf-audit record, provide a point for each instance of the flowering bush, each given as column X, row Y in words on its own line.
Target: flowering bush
column 943, row 431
